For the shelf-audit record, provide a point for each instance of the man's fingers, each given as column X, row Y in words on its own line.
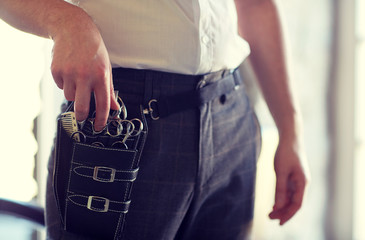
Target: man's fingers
column 297, row 187
column 281, row 191
column 82, row 103
column 81, row 94
column 113, row 100
column 286, row 213
column 102, row 102
column 58, row 80
column 69, row 91
column 57, row 75
column 295, row 192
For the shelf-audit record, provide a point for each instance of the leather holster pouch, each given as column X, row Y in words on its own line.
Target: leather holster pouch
column 93, row 184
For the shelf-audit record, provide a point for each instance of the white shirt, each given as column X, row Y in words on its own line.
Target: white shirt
column 181, row 36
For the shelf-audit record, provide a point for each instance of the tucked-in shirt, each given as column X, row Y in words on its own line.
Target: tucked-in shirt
column 181, row 36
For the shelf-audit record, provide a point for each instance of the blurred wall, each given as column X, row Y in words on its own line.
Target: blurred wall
column 21, row 69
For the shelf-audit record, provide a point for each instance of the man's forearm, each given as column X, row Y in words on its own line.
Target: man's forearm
column 44, row 18
column 259, row 24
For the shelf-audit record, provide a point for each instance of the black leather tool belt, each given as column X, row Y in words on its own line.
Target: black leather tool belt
column 95, row 171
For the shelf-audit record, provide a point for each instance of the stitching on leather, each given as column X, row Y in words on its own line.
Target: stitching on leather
column 118, row 226
column 120, row 171
column 69, row 180
column 56, row 172
column 106, row 149
column 83, row 196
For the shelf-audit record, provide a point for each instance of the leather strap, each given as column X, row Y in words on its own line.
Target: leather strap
column 106, row 174
column 99, row 204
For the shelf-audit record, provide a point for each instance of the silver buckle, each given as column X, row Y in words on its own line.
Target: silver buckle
column 105, row 169
column 90, row 200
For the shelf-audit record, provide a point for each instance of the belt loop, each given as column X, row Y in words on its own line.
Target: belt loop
column 157, row 80
column 201, row 83
column 151, row 101
column 237, row 77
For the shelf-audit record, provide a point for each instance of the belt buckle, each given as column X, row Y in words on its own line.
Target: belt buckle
column 97, row 198
column 104, row 169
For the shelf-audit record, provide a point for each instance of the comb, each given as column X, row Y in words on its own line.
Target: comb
column 69, row 124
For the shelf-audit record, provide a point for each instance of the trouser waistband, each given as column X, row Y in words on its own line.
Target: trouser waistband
column 208, row 87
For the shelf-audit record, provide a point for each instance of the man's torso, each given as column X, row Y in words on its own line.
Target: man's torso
column 181, row 36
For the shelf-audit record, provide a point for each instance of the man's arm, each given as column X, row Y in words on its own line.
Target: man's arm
column 80, row 63
column 259, row 24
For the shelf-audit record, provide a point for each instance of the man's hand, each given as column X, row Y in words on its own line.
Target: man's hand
column 291, row 181
column 81, row 66
column 80, row 63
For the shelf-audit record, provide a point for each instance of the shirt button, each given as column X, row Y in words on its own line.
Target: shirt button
column 205, row 39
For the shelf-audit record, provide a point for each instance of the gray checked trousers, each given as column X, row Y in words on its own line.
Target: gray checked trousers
column 197, row 171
